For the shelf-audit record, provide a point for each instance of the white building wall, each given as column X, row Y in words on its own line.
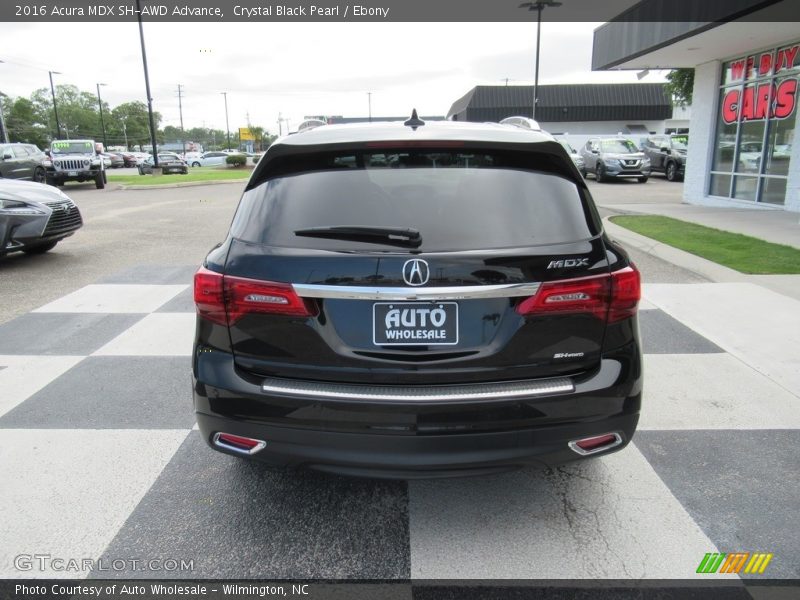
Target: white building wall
column 705, row 96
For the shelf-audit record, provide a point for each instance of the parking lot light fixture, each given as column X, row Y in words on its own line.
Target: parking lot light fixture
column 55, row 107
column 538, row 6
column 102, row 121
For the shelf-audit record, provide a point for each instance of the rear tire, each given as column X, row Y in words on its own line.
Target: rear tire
column 195, row 164
column 39, row 175
column 600, row 174
column 100, row 181
column 672, row 172
column 40, row 249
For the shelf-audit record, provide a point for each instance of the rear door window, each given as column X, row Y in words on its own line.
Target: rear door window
column 456, row 200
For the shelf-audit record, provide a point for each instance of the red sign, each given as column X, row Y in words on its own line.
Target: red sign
column 765, row 64
column 763, row 101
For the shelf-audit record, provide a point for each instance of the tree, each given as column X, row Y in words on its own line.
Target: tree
column 680, row 83
column 23, row 123
column 130, row 120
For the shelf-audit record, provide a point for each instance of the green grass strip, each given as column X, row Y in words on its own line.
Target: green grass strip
column 734, row 250
column 195, row 174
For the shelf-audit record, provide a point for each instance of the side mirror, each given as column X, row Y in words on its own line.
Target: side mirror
column 665, row 149
column 7, row 156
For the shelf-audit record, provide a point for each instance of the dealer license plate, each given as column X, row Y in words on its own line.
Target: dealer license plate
column 415, row 323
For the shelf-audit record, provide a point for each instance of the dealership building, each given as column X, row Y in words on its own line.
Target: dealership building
column 744, row 125
column 577, row 112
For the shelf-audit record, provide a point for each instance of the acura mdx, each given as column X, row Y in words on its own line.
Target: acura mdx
column 416, row 300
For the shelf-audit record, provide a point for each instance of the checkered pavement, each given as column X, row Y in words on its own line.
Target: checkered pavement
column 99, row 458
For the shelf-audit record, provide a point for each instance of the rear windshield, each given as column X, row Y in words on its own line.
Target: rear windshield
column 456, row 200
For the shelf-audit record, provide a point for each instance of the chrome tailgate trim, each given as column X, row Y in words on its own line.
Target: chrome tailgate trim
column 349, row 292
column 430, row 393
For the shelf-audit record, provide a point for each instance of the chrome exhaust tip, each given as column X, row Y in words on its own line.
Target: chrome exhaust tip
column 237, row 443
column 595, row 444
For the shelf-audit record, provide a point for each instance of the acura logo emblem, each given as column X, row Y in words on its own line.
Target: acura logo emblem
column 416, row 272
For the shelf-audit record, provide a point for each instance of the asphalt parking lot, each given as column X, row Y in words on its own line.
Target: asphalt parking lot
column 100, row 458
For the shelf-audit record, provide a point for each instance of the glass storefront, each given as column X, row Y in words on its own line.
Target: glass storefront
column 756, row 125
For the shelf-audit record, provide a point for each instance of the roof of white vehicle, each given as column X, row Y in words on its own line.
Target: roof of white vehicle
column 431, row 131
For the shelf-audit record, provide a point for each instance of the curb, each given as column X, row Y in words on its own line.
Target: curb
column 701, row 266
column 165, row 186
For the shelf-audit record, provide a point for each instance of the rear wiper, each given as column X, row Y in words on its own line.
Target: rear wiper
column 372, row 235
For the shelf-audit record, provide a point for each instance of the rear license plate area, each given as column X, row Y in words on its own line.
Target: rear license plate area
column 415, row 323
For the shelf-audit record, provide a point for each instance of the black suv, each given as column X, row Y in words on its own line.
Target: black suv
column 667, row 154
column 404, row 300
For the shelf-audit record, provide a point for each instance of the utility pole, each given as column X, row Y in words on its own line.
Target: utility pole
column 147, row 86
column 102, row 122
column 280, row 124
column 180, row 112
column 227, row 127
column 369, row 105
column 125, row 133
column 55, row 108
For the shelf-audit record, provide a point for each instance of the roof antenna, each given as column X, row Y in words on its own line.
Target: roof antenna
column 414, row 121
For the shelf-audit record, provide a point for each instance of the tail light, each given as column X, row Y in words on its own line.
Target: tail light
column 612, row 297
column 243, row 296
column 209, row 297
column 224, row 299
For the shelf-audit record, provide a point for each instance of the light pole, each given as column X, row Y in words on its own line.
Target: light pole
column 147, row 86
column 125, row 133
column 2, row 120
column 369, row 105
column 538, row 6
column 227, row 127
column 55, row 108
column 102, row 121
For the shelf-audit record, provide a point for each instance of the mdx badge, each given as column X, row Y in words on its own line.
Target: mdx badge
column 416, row 272
column 568, row 263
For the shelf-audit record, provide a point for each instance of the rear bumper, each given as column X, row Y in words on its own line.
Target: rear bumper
column 621, row 174
column 408, row 440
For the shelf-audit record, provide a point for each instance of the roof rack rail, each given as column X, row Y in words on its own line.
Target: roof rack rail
column 522, row 122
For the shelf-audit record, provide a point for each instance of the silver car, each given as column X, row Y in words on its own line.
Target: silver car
column 615, row 158
column 34, row 217
column 577, row 159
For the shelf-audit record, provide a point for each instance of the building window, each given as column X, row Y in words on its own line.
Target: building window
column 756, row 125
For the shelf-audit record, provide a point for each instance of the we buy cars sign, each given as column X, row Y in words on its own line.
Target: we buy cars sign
column 775, row 99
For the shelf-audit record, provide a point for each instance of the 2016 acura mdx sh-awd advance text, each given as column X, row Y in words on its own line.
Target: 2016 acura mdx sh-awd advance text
column 403, row 300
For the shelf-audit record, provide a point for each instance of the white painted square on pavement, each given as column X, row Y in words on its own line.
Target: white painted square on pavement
column 157, row 334
column 66, row 493
column 114, row 298
column 23, row 376
column 758, row 326
column 603, row 518
column 712, row 391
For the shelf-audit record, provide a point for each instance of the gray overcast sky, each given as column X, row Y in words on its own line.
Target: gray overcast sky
column 296, row 69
